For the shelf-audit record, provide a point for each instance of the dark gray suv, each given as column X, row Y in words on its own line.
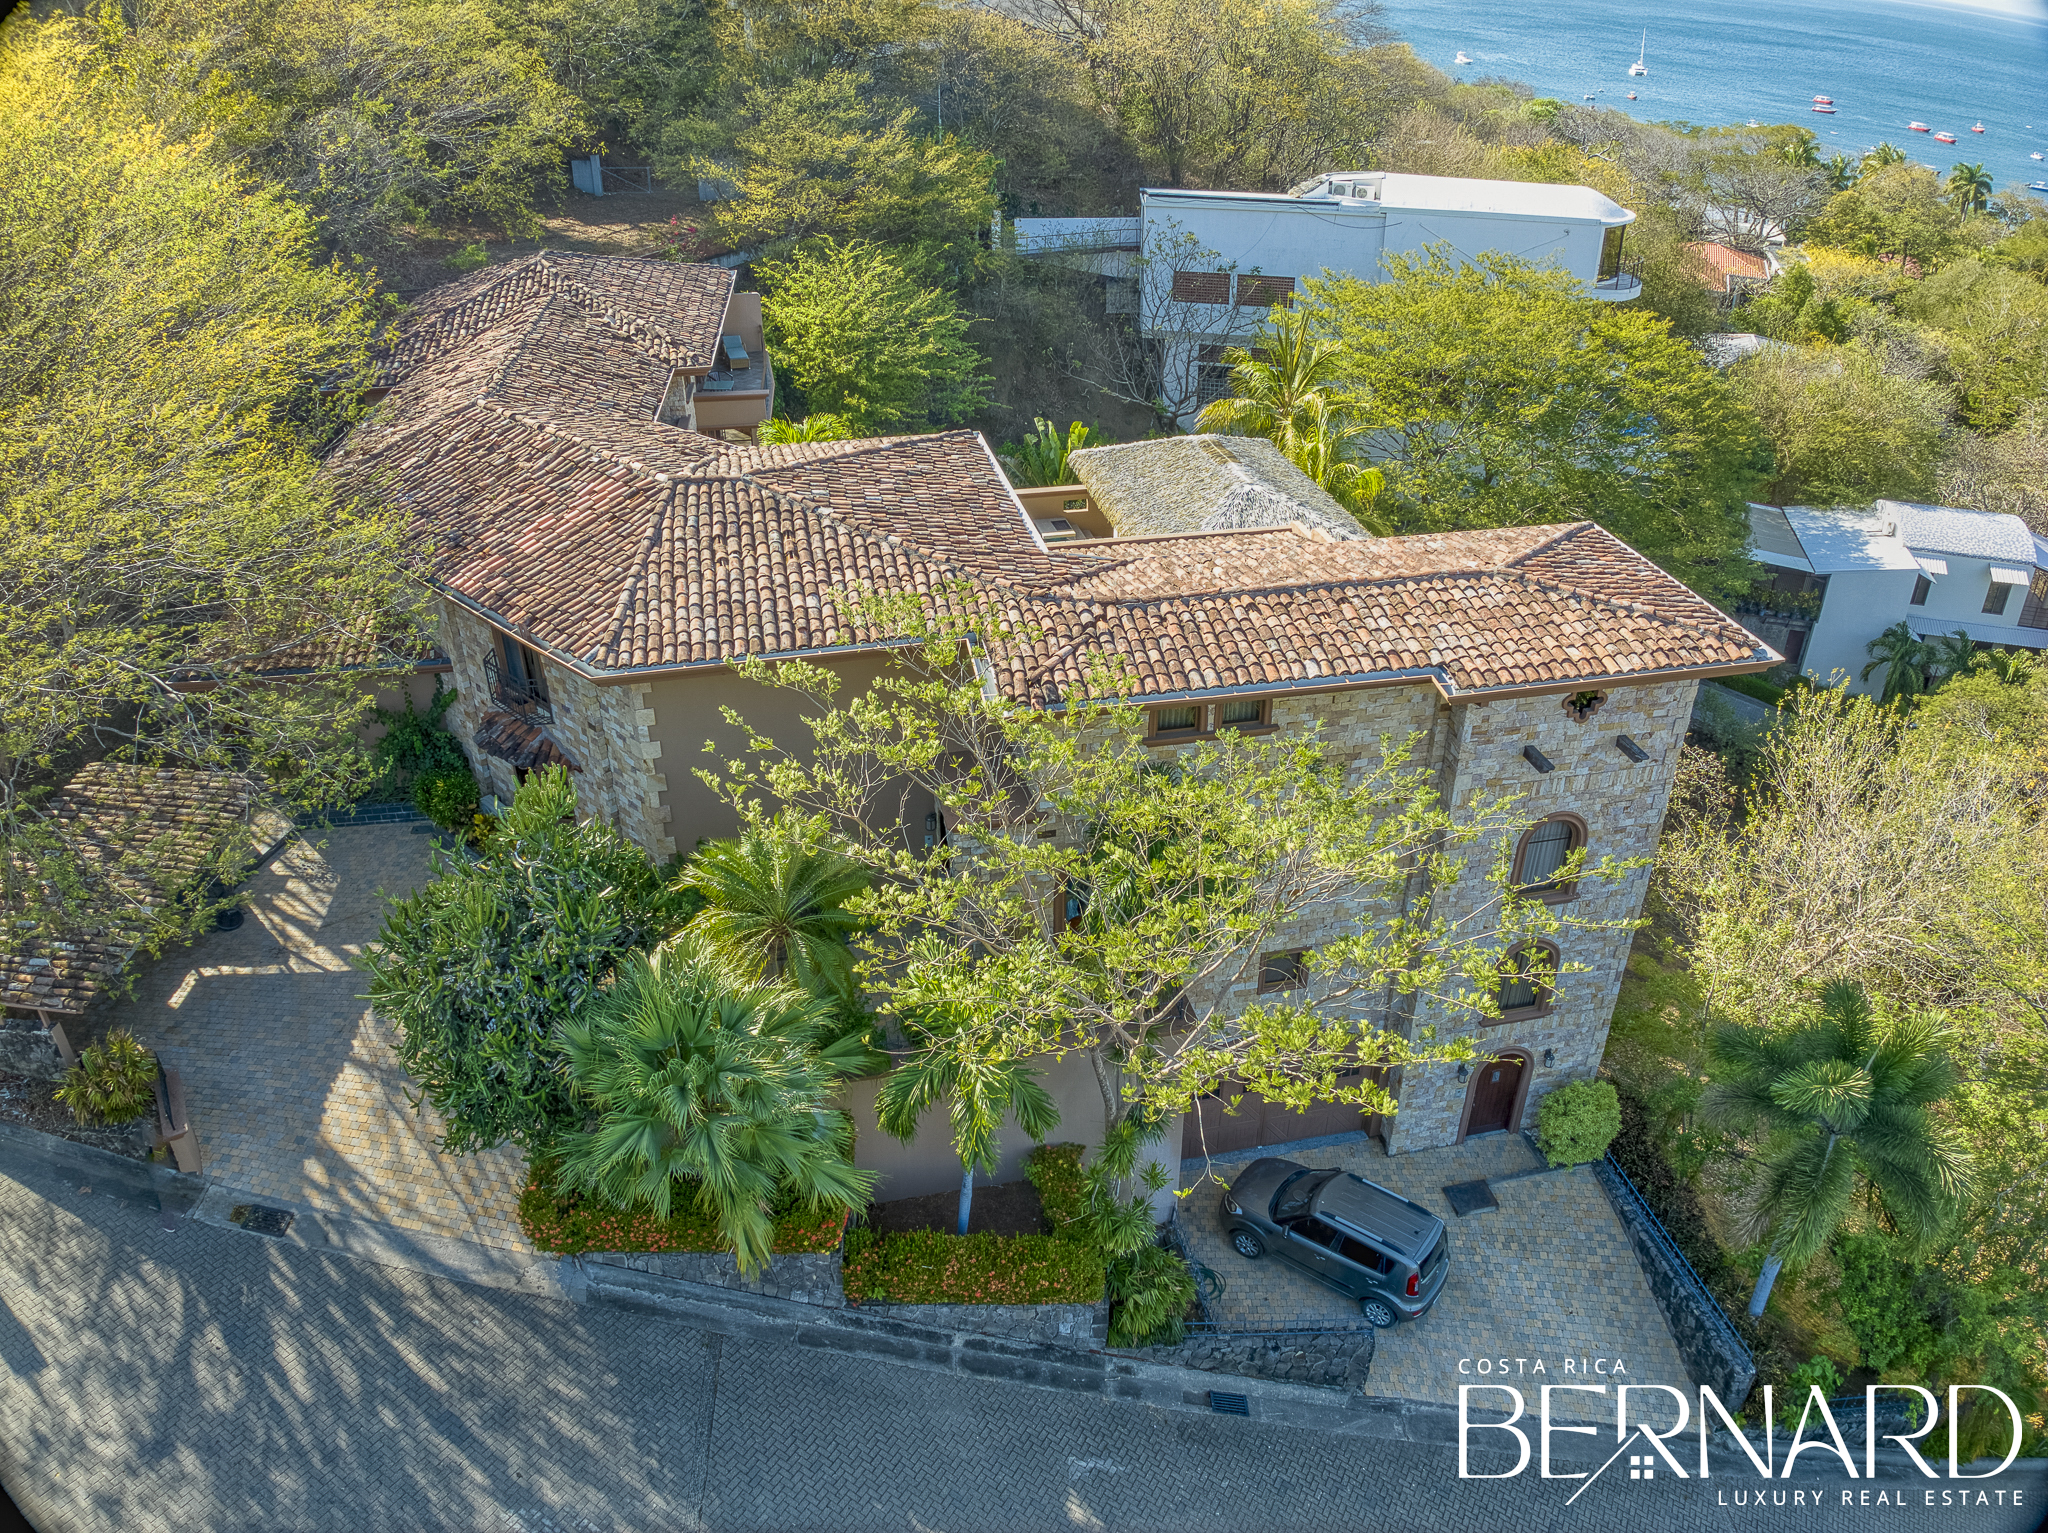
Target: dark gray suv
column 1384, row 1251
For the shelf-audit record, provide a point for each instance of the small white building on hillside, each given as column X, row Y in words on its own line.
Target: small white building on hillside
column 1200, row 268
column 1842, row 577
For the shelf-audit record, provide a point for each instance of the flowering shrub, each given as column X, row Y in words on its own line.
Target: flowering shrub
column 570, row 1225
column 927, row 1267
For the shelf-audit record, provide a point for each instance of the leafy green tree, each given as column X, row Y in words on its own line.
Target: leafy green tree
column 632, row 65
column 1280, row 389
column 481, row 967
column 168, row 334
column 980, row 1091
column 1042, row 457
column 1898, row 210
column 1843, row 430
column 1841, row 1102
column 708, row 1083
column 775, row 900
column 1990, row 329
column 1502, row 396
column 1969, row 188
column 817, row 160
column 860, row 336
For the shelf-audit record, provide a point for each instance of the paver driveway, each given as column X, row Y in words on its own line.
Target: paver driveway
column 290, row 1081
column 1548, row 1275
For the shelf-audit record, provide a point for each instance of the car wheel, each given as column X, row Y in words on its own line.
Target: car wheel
column 1378, row 1311
column 1248, row 1245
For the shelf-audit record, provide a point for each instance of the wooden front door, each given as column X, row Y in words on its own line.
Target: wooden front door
column 1493, row 1097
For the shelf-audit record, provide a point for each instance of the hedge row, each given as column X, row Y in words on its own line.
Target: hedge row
column 928, row 1267
column 570, row 1224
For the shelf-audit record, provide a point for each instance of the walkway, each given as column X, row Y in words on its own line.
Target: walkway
column 291, row 1083
column 1547, row 1275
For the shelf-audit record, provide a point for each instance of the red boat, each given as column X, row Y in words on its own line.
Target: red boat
column 1978, row 129
column 1828, row 109
column 1944, row 138
column 1917, row 127
column 1823, row 100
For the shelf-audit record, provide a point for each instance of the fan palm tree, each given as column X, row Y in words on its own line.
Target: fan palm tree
column 703, row 1078
column 1841, row 1100
column 1281, row 392
column 979, row 1091
column 1969, row 188
column 1900, row 654
column 775, row 899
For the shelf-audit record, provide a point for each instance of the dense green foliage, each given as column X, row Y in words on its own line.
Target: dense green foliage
column 1042, row 457
column 926, row 1267
column 1577, row 1122
column 114, row 1080
column 480, row 967
column 708, row 1085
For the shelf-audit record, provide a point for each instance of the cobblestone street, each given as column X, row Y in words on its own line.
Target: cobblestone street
column 291, row 1083
column 1548, row 1274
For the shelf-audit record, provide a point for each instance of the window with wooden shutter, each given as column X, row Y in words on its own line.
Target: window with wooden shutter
column 1201, row 287
column 1263, row 292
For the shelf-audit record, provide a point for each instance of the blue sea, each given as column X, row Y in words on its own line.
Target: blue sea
column 1885, row 62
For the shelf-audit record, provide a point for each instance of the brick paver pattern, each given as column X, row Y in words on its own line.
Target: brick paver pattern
column 291, row 1081
column 1547, row 1275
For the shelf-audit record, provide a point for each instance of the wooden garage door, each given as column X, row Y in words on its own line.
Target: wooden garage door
column 1213, row 1130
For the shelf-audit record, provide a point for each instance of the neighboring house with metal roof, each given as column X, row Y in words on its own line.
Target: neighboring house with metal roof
column 1842, row 577
column 1201, row 268
column 601, row 569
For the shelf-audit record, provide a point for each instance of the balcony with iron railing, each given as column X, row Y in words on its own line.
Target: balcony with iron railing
column 526, row 696
column 1622, row 284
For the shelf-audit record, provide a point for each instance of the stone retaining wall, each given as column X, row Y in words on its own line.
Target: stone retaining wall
column 26, row 1048
column 1082, row 1327
column 1336, row 1360
column 1714, row 1355
column 804, row 1277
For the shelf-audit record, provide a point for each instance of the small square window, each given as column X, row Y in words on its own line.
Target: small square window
column 1177, row 721
column 1282, row 971
column 1246, row 713
column 1996, row 598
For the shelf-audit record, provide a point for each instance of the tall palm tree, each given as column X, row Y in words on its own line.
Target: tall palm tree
column 775, row 899
column 1841, row 1100
column 1282, row 392
column 705, row 1079
column 979, row 1091
column 1969, row 188
column 1900, row 654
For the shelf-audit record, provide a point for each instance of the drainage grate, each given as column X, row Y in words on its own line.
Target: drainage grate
column 261, row 1219
column 1470, row 1197
column 1229, row 1405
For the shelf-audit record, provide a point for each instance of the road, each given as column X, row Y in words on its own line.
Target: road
column 206, row 1378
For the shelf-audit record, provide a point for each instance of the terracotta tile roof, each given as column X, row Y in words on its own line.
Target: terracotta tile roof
column 1730, row 262
column 669, row 311
column 558, row 505
column 522, row 742
column 142, row 837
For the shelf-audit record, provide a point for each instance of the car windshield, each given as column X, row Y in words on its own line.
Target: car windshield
column 1299, row 1191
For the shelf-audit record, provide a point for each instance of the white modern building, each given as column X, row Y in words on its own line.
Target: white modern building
column 1200, row 268
column 1842, row 577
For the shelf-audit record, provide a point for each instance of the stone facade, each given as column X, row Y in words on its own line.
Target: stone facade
column 605, row 730
column 26, row 1048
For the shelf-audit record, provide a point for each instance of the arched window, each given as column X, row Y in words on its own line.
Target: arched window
column 1543, row 852
column 1529, row 981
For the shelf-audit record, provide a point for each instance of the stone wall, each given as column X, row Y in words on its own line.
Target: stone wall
column 604, row 730
column 1714, row 1355
column 804, row 1277
column 1334, row 1360
column 26, row 1048
column 1080, row 1327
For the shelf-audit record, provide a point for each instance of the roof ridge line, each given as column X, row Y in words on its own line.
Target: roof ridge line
column 1613, row 603
column 513, row 353
column 650, row 541
column 1564, row 534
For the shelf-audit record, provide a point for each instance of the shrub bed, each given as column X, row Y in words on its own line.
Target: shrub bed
column 1055, row 1170
column 926, row 1267
column 570, row 1224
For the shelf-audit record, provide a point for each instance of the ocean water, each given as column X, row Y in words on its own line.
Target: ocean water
column 1885, row 62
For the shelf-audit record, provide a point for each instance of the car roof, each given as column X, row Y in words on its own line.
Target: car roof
column 1384, row 1216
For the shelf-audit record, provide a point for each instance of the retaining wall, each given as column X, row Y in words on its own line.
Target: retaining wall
column 805, row 1277
column 1333, row 1360
column 1081, row 1327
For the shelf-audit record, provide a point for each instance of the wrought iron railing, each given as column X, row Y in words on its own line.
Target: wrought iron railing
column 523, row 697
column 1653, row 1230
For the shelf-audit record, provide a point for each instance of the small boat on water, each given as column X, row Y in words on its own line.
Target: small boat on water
column 1462, row 58
column 1631, row 95
column 1639, row 67
column 1918, row 127
column 2037, row 186
column 1978, row 129
column 2035, row 155
column 1827, row 109
column 1944, row 138
column 1823, row 100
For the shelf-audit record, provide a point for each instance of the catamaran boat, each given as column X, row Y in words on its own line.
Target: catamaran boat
column 1918, row 127
column 1944, row 138
column 1463, row 58
column 1639, row 67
